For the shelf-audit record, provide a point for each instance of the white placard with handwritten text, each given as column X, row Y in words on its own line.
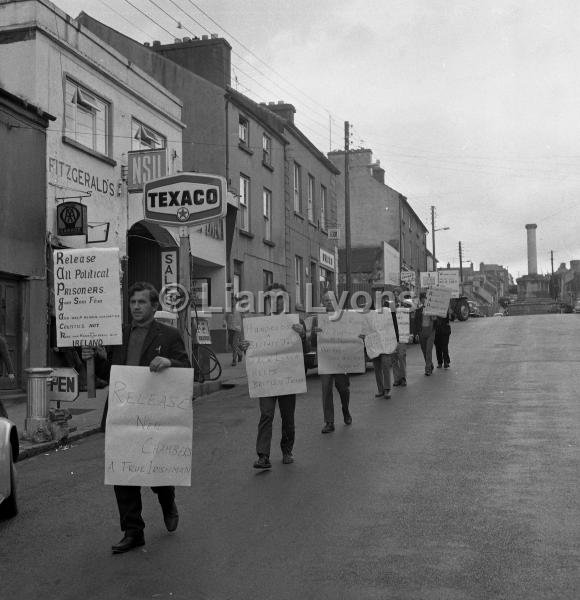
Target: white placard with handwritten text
column 149, row 432
column 340, row 349
column 275, row 361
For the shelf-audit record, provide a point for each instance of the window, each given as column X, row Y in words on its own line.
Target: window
column 267, row 201
column 297, row 188
column 238, row 272
column 298, row 278
column 244, row 131
column 310, row 198
column 244, row 218
column 268, row 279
column 144, row 137
column 322, row 207
column 266, row 149
column 86, row 118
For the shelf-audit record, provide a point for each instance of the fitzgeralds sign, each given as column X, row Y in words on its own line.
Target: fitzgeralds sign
column 185, row 198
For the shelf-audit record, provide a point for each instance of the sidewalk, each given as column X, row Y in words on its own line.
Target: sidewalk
column 86, row 412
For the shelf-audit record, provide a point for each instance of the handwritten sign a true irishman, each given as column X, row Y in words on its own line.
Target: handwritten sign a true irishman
column 87, row 295
column 149, row 431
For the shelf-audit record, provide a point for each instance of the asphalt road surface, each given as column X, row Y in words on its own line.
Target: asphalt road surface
column 465, row 485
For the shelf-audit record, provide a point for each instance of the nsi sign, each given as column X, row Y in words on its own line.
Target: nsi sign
column 185, row 198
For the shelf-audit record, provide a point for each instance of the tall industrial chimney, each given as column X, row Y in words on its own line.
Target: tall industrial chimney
column 532, row 250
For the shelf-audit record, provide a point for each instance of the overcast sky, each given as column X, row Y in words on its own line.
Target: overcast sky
column 471, row 106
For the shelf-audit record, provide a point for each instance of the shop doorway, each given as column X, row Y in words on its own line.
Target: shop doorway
column 10, row 328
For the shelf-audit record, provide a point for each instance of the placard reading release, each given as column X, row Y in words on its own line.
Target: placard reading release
column 437, row 303
column 87, row 295
column 380, row 333
column 149, row 429
column 274, row 362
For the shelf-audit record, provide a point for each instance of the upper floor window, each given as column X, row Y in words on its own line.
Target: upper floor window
column 144, row 137
column 86, row 118
column 310, row 198
column 266, row 149
column 244, row 219
column 297, row 188
column 244, row 131
column 267, row 200
column 322, row 207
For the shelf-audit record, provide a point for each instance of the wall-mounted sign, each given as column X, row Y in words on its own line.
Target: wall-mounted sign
column 185, row 199
column 201, row 291
column 144, row 166
column 333, row 234
column 202, row 333
column 71, row 219
column 327, row 259
column 169, row 267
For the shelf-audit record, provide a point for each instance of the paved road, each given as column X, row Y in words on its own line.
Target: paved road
column 463, row 486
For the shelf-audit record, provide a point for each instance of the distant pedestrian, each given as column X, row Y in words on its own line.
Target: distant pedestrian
column 340, row 380
column 442, row 333
column 426, row 333
column 286, row 403
column 234, row 327
column 146, row 343
column 5, row 359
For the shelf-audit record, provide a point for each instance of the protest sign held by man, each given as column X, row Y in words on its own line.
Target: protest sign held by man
column 146, row 343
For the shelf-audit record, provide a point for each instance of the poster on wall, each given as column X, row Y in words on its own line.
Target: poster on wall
column 87, row 297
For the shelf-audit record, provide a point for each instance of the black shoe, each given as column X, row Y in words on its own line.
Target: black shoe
column 287, row 458
column 380, row 394
column 263, row 462
column 387, row 395
column 328, row 428
column 347, row 417
column 401, row 382
column 171, row 518
column 128, row 543
column 439, row 365
column 446, row 365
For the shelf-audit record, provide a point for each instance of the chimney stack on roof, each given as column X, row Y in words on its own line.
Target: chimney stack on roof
column 283, row 109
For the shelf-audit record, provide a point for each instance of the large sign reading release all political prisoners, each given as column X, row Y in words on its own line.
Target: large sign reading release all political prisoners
column 87, row 295
column 149, row 432
column 340, row 348
column 275, row 361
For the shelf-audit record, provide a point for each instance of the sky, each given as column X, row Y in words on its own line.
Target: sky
column 470, row 106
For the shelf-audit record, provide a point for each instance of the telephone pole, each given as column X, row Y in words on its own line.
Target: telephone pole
column 433, row 236
column 461, row 268
column 347, row 205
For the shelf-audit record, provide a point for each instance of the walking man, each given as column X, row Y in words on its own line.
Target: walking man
column 286, row 403
column 146, row 343
column 340, row 380
column 427, row 333
column 234, row 327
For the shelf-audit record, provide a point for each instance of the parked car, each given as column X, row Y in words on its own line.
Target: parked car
column 9, row 450
column 576, row 308
column 498, row 314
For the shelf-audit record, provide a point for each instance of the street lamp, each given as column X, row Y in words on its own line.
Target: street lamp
column 433, row 243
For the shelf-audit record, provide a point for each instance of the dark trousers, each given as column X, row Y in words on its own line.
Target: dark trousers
column 442, row 347
column 342, row 383
column 287, row 406
column 382, row 364
column 426, row 339
column 130, row 507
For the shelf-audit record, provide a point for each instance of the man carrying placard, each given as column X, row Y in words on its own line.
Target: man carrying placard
column 146, row 343
column 340, row 380
column 286, row 402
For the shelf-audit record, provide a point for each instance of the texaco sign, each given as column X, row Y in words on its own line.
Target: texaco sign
column 185, row 198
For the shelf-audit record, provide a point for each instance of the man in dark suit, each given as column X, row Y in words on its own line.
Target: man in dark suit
column 146, row 343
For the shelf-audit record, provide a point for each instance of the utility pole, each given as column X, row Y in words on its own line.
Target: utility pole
column 433, row 236
column 460, row 268
column 555, row 293
column 347, row 205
